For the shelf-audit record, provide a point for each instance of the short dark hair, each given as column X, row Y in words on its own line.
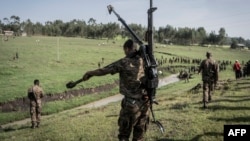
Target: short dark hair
column 36, row 81
column 208, row 54
column 129, row 44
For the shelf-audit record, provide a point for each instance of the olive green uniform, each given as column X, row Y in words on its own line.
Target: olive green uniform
column 209, row 77
column 134, row 113
column 35, row 93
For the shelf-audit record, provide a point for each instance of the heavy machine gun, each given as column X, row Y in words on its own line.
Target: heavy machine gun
column 146, row 51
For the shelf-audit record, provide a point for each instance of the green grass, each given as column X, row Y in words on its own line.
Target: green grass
column 54, row 61
column 179, row 111
column 53, row 64
column 57, row 60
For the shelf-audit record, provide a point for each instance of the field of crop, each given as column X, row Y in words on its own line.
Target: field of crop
column 56, row 60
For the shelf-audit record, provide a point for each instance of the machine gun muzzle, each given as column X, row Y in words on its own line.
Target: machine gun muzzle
column 110, row 8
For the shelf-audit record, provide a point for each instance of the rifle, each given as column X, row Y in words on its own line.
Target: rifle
column 146, row 51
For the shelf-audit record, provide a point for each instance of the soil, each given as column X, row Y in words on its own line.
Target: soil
column 24, row 102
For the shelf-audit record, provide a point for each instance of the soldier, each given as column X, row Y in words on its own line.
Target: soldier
column 209, row 70
column 184, row 74
column 134, row 113
column 35, row 94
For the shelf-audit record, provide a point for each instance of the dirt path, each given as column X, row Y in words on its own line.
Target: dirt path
column 162, row 82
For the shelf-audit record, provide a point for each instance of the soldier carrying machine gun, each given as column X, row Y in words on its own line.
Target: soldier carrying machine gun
column 138, row 82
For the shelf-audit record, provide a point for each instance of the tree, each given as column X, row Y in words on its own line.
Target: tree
column 38, row 28
column 6, row 21
column 222, row 35
column 91, row 29
column 15, row 24
column 201, row 35
column 1, row 27
column 160, row 34
column 184, row 36
column 28, row 27
column 57, row 27
column 166, row 33
column 213, row 38
column 234, row 43
column 138, row 29
column 110, row 30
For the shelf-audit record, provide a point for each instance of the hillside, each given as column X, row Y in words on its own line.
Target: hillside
column 63, row 59
column 180, row 112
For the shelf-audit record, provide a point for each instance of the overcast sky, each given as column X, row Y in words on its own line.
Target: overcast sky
column 233, row 15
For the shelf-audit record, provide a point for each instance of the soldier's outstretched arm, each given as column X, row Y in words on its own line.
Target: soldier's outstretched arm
column 97, row 72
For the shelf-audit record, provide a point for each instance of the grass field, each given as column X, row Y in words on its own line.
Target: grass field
column 55, row 61
column 180, row 113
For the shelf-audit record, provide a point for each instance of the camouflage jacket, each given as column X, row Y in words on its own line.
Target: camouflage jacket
column 209, row 69
column 35, row 93
column 131, row 74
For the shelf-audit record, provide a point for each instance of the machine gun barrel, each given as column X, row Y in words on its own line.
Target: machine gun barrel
column 111, row 9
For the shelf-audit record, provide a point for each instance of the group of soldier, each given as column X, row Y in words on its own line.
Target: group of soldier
column 135, row 107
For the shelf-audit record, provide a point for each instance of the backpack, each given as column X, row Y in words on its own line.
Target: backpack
column 209, row 70
column 31, row 94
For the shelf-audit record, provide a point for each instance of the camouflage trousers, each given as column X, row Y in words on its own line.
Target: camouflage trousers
column 35, row 111
column 208, row 88
column 134, row 116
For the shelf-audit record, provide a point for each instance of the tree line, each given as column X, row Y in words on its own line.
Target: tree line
column 92, row 29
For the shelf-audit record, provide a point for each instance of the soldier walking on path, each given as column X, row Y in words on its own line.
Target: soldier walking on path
column 209, row 70
column 35, row 94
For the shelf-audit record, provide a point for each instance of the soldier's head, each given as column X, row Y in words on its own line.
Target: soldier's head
column 129, row 46
column 208, row 54
column 36, row 82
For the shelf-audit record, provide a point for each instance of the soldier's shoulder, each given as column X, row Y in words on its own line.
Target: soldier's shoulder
column 39, row 87
column 203, row 62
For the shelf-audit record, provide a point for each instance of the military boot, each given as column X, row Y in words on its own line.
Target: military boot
column 210, row 98
column 38, row 124
column 32, row 125
column 205, row 105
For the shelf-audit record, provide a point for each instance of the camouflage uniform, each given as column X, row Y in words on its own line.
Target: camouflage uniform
column 35, row 93
column 134, row 114
column 209, row 70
